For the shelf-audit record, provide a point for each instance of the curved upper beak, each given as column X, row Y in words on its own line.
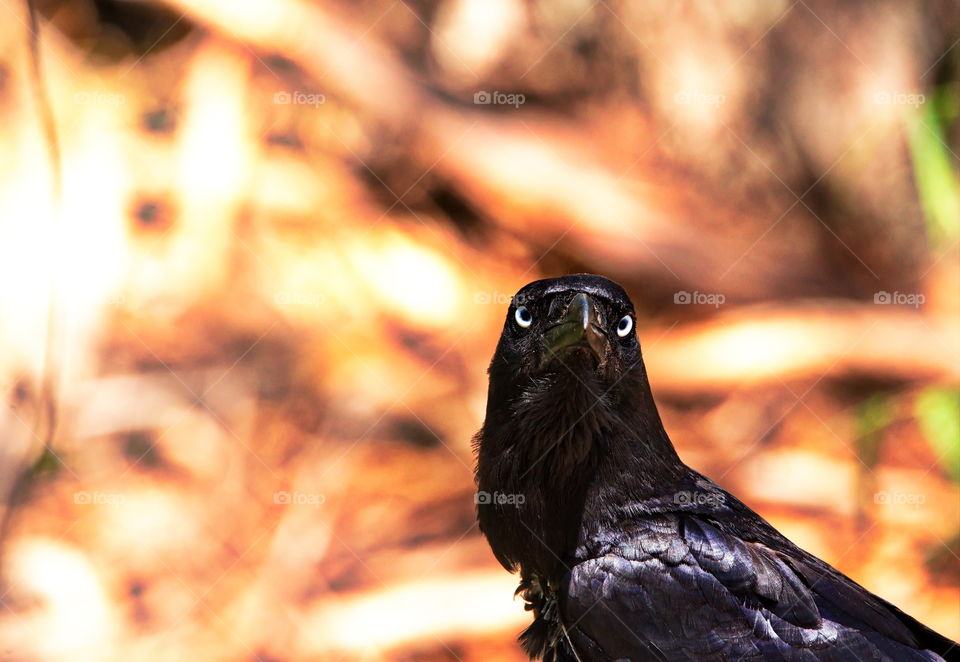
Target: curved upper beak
column 581, row 325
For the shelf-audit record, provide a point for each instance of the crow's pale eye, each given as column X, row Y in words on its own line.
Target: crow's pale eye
column 624, row 326
column 523, row 317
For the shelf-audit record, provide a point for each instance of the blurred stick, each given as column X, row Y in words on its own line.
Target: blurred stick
column 547, row 186
column 44, row 424
column 423, row 611
column 753, row 346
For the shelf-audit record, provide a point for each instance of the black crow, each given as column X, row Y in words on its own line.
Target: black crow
column 624, row 552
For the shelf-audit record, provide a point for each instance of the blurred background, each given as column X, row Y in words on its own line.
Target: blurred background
column 256, row 257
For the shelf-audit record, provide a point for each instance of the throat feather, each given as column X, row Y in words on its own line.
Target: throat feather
column 559, row 422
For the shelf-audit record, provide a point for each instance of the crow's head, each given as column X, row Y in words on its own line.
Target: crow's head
column 568, row 358
column 569, row 404
column 578, row 326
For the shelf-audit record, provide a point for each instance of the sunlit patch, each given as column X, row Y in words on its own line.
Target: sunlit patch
column 472, row 35
column 145, row 523
column 753, row 350
column 412, row 280
column 74, row 617
column 417, row 610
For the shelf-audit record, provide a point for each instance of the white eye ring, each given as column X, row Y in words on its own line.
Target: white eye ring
column 523, row 317
column 624, row 326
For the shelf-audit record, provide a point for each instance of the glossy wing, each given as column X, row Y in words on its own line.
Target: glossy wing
column 677, row 588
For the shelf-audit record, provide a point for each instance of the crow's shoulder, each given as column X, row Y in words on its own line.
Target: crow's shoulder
column 678, row 586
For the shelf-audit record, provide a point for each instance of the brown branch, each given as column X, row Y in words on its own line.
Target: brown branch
column 753, row 346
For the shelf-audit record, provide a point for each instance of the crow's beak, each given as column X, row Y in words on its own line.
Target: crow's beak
column 580, row 326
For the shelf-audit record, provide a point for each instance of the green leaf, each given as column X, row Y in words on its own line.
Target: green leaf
column 873, row 416
column 937, row 183
column 938, row 414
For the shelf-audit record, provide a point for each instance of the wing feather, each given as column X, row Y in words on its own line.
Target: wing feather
column 678, row 588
